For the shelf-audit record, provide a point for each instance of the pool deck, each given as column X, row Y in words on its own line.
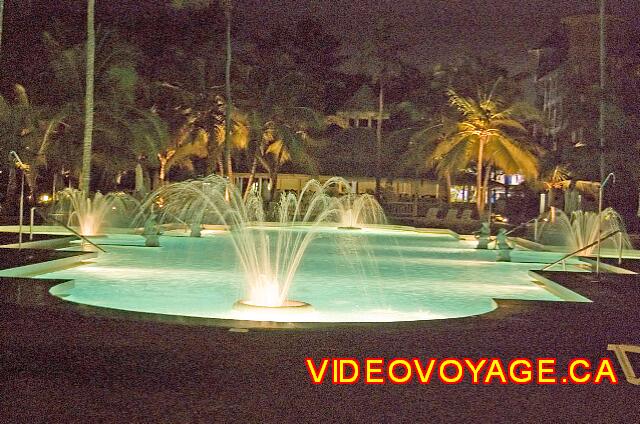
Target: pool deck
column 632, row 265
column 16, row 262
column 35, row 241
column 61, row 363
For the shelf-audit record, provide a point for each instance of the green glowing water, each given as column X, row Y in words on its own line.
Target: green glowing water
column 348, row 276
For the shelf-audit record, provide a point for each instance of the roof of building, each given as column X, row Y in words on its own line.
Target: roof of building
column 362, row 100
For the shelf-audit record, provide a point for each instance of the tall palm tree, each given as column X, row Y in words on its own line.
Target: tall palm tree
column 231, row 135
column 226, row 5
column 491, row 134
column 1, row 17
column 380, row 58
column 114, row 87
column 88, row 102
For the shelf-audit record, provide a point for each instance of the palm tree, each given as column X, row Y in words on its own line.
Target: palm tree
column 491, row 134
column 380, row 58
column 226, row 5
column 115, row 85
column 424, row 138
column 285, row 137
column 88, row 102
column 156, row 149
column 1, row 17
column 256, row 142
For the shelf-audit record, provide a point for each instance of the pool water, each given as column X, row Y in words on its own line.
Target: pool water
column 347, row 275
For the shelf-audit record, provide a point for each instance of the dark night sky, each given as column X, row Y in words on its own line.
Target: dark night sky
column 437, row 30
column 440, row 29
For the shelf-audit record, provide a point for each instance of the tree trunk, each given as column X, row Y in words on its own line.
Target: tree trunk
column 148, row 184
column 551, row 201
column 41, row 159
column 252, row 175
column 139, row 179
column 479, row 187
column 228, row 125
column 156, row 180
column 273, row 177
column 220, row 166
column 273, row 174
column 162, row 171
column 214, row 158
column 379, row 137
column 487, row 177
column 448, row 184
column 88, row 101
column 1, row 16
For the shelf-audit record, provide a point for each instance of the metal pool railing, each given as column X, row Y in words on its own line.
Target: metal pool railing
column 72, row 231
column 570, row 255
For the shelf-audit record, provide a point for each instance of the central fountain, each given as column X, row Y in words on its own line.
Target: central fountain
column 269, row 261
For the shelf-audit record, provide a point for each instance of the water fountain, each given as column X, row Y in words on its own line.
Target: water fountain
column 374, row 275
column 377, row 274
column 358, row 210
column 89, row 214
column 268, row 256
column 581, row 229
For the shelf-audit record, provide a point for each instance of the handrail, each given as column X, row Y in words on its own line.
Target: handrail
column 72, row 230
column 521, row 225
column 564, row 258
column 175, row 217
column 600, row 193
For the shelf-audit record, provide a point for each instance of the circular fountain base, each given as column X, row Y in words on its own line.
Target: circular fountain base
column 349, row 228
column 288, row 307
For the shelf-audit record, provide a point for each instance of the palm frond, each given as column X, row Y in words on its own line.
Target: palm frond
column 509, row 156
column 466, row 106
column 509, row 123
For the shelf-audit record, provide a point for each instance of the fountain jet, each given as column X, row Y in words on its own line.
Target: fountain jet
column 358, row 210
column 89, row 214
column 583, row 228
column 268, row 255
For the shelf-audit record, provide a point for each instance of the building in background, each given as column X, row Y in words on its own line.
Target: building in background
column 566, row 76
column 360, row 111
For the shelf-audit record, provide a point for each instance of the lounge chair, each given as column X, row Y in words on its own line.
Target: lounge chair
column 432, row 216
column 466, row 215
column 451, row 217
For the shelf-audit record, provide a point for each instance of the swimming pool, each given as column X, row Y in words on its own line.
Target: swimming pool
column 369, row 275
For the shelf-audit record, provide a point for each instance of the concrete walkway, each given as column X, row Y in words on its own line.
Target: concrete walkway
column 63, row 364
